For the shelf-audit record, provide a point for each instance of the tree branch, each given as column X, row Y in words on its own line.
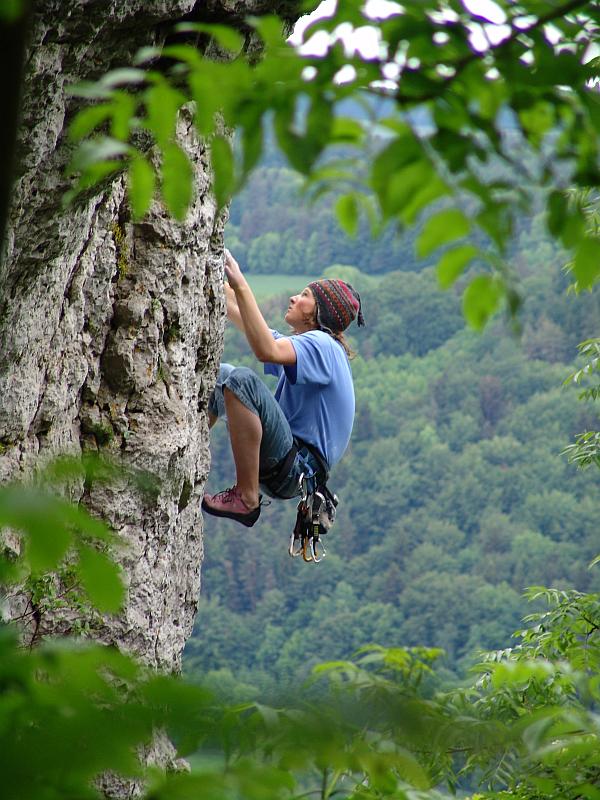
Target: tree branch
column 462, row 63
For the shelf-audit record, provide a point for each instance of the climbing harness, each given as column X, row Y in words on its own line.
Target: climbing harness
column 315, row 515
column 317, row 507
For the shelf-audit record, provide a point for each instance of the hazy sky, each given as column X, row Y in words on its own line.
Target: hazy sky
column 366, row 40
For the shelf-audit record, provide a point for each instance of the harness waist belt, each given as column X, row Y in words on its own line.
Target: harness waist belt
column 323, row 472
column 280, row 471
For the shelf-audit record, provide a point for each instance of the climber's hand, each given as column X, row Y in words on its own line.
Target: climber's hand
column 233, row 271
column 229, row 294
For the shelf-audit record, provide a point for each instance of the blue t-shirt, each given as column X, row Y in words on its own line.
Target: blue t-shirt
column 316, row 394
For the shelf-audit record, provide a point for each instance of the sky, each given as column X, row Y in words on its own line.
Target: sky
column 490, row 31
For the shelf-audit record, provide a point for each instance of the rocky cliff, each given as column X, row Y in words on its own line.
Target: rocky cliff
column 110, row 331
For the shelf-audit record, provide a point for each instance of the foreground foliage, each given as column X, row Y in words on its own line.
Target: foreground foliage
column 379, row 726
column 454, row 78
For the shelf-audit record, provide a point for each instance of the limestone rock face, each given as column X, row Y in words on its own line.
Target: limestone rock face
column 111, row 332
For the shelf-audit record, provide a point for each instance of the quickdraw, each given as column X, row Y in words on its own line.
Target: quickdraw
column 316, row 514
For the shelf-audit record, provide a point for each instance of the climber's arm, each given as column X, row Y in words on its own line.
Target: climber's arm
column 233, row 311
column 258, row 333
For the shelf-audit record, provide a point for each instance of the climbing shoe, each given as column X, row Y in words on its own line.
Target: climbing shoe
column 229, row 503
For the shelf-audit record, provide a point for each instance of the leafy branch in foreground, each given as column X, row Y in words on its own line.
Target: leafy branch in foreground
column 45, row 533
column 585, row 451
column 464, row 91
column 380, row 726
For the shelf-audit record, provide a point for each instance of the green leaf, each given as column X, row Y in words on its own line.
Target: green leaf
column 163, row 104
column 537, row 120
column 290, row 143
column 11, row 10
column 252, row 145
column 433, row 189
column 123, row 109
column 88, row 119
column 586, row 266
column 453, row 263
column 401, row 186
column 206, row 101
column 183, row 52
column 481, row 300
column 496, row 221
column 556, row 211
column 89, row 90
column 92, row 176
column 345, row 129
column 101, row 580
column 93, row 151
column 222, row 164
column 346, row 209
column 269, row 27
column 141, row 185
column 227, row 37
column 443, row 227
column 177, row 176
column 43, row 521
column 118, row 77
column 145, row 54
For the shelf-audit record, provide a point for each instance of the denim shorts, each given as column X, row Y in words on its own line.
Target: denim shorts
column 277, row 438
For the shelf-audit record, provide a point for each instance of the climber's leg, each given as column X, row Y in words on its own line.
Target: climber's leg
column 245, row 433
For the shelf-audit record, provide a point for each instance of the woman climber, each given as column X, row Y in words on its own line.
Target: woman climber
column 306, row 424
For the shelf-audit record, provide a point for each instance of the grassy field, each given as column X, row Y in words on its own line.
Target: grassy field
column 265, row 286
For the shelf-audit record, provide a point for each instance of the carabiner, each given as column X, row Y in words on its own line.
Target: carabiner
column 294, row 550
column 314, row 547
column 306, row 550
column 303, row 487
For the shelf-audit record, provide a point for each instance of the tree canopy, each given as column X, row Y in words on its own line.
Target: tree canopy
column 453, row 77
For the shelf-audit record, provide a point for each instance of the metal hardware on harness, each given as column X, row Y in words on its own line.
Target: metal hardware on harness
column 305, row 539
column 295, row 548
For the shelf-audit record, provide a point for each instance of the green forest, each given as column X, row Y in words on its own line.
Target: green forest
column 454, row 493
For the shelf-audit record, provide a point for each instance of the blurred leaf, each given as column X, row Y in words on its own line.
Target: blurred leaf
column 11, row 10
column 141, row 185
column 431, row 190
column 95, row 151
column 101, row 580
column 441, row 228
column 586, row 266
column 496, row 221
column 346, row 129
column 252, row 144
column 126, row 75
column 88, row 119
column 346, row 209
column 454, row 262
column 44, row 522
column 270, row 28
column 227, row 37
column 145, row 54
column 123, row 109
column 222, row 164
column 556, row 211
column 162, row 107
column 177, row 177
column 206, row 101
column 89, row 90
column 537, row 120
column 481, row 300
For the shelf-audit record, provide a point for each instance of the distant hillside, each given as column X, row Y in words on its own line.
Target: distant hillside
column 454, row 497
